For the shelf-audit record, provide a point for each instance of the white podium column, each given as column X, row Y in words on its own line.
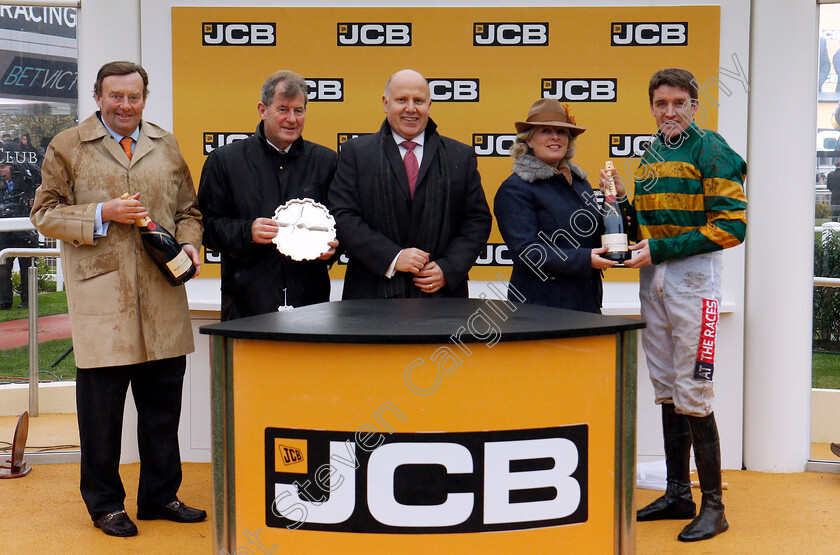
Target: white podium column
column 780, row 217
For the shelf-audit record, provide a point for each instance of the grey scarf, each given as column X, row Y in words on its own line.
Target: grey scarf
column 530, row 168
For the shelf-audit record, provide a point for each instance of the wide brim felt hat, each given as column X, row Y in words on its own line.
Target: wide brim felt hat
column 549, row 112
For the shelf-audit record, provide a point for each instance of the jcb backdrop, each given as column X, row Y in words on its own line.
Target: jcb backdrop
column 485, row 67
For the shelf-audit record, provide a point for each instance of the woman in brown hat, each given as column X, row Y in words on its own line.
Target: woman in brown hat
column 548, row 215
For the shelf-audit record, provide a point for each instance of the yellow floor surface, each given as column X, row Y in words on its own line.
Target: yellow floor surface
column 43, row 513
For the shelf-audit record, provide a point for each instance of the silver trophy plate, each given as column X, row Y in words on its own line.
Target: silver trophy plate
column 306, row 228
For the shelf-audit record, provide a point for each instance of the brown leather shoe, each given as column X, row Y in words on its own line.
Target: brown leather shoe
column 116, row 524
column 174, row 511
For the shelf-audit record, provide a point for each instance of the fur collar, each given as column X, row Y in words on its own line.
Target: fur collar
column 530, row 169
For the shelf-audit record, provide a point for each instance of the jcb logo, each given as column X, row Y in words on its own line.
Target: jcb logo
column 374, row 34
column 431, row 483
column 491, row 144
column 238, row 34
column 325, row 90
column 454, row 90
column 290, row 455
column 649, row 34
column 342, row 138
column 627, row 146
column 495, row 254
column 510, row 34
column 580, row 90
column 212, row 257
column 214, row 139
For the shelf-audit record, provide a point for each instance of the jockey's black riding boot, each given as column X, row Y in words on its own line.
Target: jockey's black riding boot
column 711, row 521
column 677, row 502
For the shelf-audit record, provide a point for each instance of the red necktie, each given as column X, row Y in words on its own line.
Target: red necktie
column 125, row 142
column 411, row 167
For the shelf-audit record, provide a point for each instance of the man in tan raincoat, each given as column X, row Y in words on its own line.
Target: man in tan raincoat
column 129, row 325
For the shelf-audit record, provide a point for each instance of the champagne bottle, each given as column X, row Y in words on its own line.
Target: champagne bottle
column 615, row 236
column 172, row 260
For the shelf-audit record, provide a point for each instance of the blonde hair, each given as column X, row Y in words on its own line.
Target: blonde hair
column 520, row 144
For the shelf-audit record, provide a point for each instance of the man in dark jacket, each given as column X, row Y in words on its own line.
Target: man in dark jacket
column 17, row 190
column 408, row 203
column 833, row 183
column 241, row 186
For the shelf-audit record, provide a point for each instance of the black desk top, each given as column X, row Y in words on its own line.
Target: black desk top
column 419, row 321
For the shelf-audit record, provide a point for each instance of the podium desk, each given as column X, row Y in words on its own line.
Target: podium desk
column 424, row 426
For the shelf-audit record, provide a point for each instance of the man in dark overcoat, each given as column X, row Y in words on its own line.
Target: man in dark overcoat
column 409, row 207
column 241, row 186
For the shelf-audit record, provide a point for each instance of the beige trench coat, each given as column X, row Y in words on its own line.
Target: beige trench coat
column 122, row 309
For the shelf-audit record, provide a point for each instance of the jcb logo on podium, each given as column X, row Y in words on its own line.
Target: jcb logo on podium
column 580, row 90
column 627, row 146
column 238, row 34
column 453, row 90
column 342, row 138
column 290, row 455
column 490, row 144
column 510, row 34
column 374, row 34
column 430, row 483
column 215, row 139
column 649, row 34
column 325, row 90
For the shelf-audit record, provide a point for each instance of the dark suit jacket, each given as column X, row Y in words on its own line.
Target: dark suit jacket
column 365, row 235
column 241, row 182
column 833, row 184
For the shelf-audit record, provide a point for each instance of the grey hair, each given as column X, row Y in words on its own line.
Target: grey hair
column 295, row 85
column 520, row 145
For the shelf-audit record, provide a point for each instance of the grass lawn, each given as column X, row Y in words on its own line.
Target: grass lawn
column 14, row 363
column 826, row 370
column 48, row 304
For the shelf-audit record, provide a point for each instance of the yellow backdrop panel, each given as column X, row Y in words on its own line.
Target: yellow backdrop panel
column 489, row 64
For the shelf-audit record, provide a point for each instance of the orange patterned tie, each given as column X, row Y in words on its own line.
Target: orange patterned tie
column 125, row 142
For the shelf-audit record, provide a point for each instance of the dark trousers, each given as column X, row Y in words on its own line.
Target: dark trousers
column 100, row 400
column 6, row 293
